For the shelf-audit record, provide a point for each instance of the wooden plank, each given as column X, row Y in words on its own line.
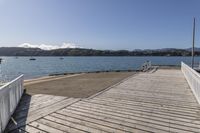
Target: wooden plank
column 50, row 109
column 43, row 112
column 195, row 106
column 31, row 110
column 87, row 122
column 148, row 117
column 145, row 94
column 152, row 94
column 45, row 127
column 73, row 126
column 147, row 102
column 135, row 104
column 31, row 129
column 153, row 101
column 125, row 124
column 162, row 92
column 140, row 107
column 32, row 102
column 33, row 99
column 135, row 120
column 28, row 129
column 106, row 124
column 59, row 125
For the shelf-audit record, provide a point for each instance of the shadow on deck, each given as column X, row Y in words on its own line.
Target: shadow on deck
column 21, row 113
column 33, row 107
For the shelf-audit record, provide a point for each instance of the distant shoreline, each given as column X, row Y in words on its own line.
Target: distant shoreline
column 20, row 51
column 93, row 56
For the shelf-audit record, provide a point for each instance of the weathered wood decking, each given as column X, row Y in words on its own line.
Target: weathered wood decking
column 147, row 102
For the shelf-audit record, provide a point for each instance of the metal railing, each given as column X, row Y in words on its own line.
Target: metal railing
column 193, row 79
column 10, row 95
column 146, row 66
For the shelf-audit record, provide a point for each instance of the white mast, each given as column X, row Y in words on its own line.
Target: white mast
column 193, row 41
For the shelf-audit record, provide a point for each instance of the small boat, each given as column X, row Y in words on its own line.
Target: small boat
column 1, row 60
column 32, row 58
column 61, row 58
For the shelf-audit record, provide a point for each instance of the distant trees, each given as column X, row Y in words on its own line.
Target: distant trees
column 16, row 51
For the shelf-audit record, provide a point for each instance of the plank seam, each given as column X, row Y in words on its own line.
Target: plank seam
column 112, row 86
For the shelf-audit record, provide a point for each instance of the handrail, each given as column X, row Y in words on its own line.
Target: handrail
column 146, row 66
column 193, row 79
column 10, row 95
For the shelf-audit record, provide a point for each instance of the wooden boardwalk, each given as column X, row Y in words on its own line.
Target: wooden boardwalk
column 146, row 102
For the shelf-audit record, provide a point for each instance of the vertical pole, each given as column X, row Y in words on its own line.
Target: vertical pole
column 193, row 41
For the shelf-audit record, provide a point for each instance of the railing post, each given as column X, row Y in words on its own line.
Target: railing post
column 10, row 95
column 146, row 66
column 1, row 129
column 193, row 79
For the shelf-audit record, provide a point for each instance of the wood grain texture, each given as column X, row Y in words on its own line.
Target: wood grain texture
column 159, row 101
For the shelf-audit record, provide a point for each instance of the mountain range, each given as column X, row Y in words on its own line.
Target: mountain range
column 21, row 51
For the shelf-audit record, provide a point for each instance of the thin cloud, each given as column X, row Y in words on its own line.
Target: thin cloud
column 49, row 47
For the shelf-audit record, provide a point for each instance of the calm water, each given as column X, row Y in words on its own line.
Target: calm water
column 12, row 67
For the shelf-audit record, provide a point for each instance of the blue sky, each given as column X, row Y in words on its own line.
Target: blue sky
column 100, row 24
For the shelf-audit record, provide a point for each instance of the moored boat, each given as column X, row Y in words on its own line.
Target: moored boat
column 32, row 58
